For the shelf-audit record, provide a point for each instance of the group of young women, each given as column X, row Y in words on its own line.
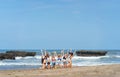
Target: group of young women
column 58, row 61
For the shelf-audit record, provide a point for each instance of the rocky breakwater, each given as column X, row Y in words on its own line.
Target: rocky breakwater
column 13, row 54
column 90, row 53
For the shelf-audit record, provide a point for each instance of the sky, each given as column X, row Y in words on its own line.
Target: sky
column 59, row 24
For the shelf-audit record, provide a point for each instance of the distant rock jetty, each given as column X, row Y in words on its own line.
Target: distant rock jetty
column 90, row 53
column 13, row 54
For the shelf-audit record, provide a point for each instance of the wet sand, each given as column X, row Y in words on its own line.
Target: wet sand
column 87, row 71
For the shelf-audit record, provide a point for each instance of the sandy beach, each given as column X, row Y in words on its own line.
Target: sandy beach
column 86, row 71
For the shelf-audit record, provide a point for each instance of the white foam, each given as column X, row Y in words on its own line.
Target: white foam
column 19, row 64
column 91, row 64
column 79, row 57
column 114, row 56
column 27, row 57
column 17, row 58
column 77, row 60
column 74, row 58
column 37, row 57
column 117, row 56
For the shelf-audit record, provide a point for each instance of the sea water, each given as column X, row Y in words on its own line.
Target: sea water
column 28, row 62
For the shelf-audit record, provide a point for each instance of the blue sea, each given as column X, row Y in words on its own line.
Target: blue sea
column 34, row 62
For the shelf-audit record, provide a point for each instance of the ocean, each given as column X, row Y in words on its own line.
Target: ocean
column 29, row 62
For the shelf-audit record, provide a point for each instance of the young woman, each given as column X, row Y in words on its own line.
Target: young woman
column 65, row 61
column 53, row 62
column 59, row 59
column 69, row 65
column 43, row 60
column 48, row 61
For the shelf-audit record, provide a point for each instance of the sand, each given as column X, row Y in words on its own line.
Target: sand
column 87, row 71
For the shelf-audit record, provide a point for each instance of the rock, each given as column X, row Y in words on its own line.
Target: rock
column 7, row 56
column 90, row 53
column 13, row 54
column 22, row 53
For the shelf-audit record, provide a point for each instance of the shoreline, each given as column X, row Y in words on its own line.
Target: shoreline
column 76, row 71
column 37, row 67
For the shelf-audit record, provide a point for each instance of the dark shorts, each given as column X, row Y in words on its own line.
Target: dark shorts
column 65, row 62
column 48, row 63
column 53, row 63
